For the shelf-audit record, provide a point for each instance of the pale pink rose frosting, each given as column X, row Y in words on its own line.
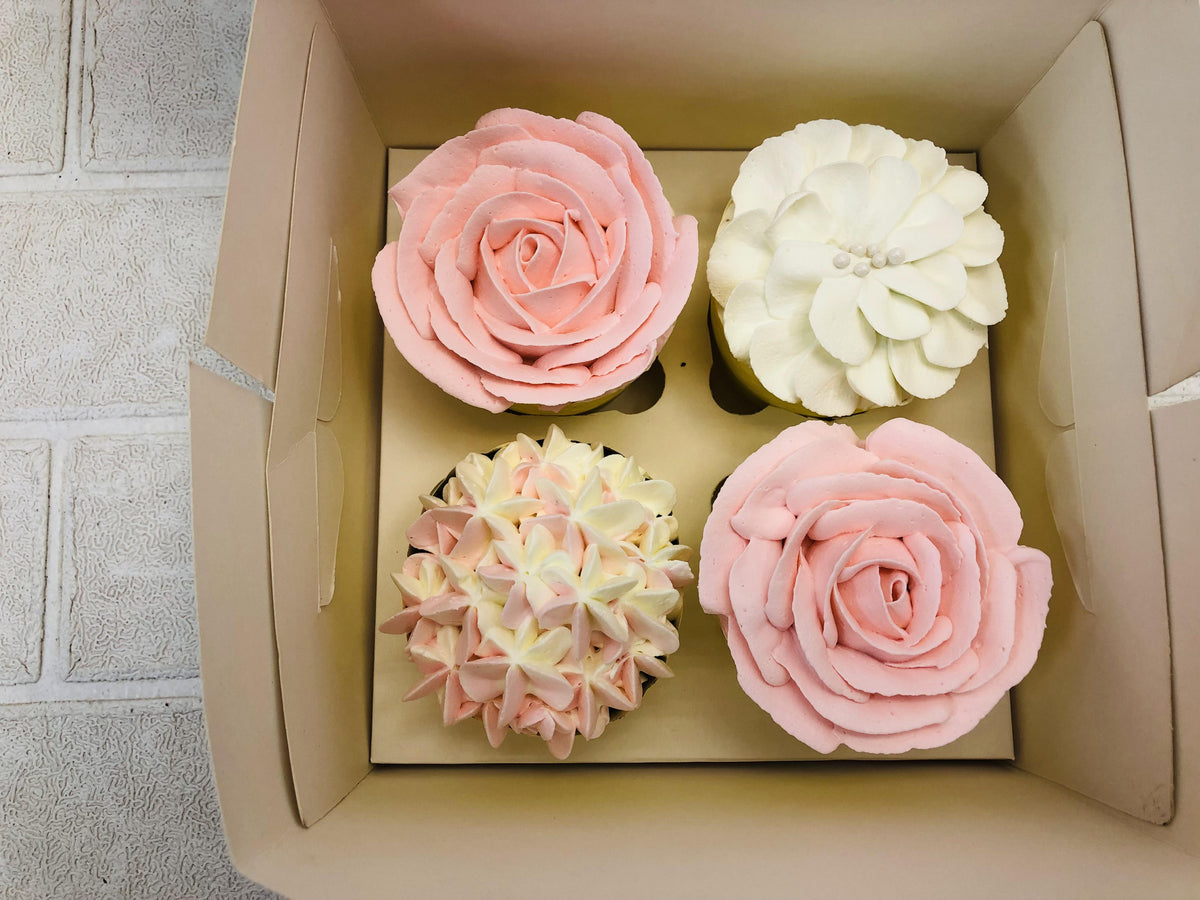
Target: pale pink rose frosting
column 873, row 592
column 538, row 262
column 543, row 592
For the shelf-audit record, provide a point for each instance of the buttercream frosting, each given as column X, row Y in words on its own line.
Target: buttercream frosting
column 873, row 592
column 543, row 589
column 856, row 268
column 538, row 262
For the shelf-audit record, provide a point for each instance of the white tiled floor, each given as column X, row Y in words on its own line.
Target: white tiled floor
column 115, row 122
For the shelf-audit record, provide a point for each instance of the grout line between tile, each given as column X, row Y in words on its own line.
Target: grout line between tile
column 92, row 692
column 74, row 79
column 50, row 429
column 53, row 623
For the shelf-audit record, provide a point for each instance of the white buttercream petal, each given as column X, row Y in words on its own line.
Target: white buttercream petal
column 916, row 374
column 802, row 216
column 874, row 379
column 966, row 190
column 893, row 188
column 821, row 142
column 844, row 188
column 869, row 142
column 981, row 240
column 739, row 253
column 778, row 166
column 774, row 349
column 986, row 299
column 892, row 315
column 764, row 176
column 745, row 311
column 820, row 383
column 938, row 281
column 953, row 340
column 928, row 159
column 802, row 263
column 932, row 224
column 790, row 283
column 838, row 324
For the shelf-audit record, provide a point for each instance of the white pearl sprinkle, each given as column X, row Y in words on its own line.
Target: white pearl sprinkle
column 895, row 256
column 878, row 260
column 862, row 269
column 872, row 249
column 857, row 249
column 841, row 260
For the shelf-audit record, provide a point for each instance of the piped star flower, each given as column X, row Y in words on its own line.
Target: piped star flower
column 512, row 664
column 596, row 694
column 421, row 579
column 599, row 520
column 437, row 653
column 665, row 558
column 626, row 480
column 588, row 600
column 520, row 573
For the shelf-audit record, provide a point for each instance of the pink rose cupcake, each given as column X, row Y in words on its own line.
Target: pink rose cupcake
column 542, row 590
column 539, row 266
column 873, row 592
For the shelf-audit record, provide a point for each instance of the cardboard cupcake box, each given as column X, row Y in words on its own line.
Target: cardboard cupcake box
column 1080, row 117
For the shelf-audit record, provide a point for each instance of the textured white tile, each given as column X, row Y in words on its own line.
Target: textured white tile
column 102, row 298
column 161, row 81
column 24, row 505
column 111, row 801
column 128, row 582
column 34, row 43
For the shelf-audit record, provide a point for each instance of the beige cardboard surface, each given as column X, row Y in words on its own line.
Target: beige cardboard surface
column 702, row 713
column 929, row 831
column 247, row 307
column 1177, row 451
column 243, row 711
column 320, row 477
column 1095, row 713
column 1155, row 48
column 940, row 829
column 705, row 73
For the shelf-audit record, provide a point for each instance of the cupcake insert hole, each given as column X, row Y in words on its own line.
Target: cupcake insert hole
column 727, row 392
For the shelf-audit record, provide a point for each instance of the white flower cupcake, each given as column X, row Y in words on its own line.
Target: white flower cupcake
column 542, row 590
column 854, row 269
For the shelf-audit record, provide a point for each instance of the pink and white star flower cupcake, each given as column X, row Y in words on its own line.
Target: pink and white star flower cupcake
column 542, row 589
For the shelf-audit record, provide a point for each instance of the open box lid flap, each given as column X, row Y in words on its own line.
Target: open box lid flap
column 1095, row 713
column 229, row 428
column 1155, row 47
column 322, row 462
column 247, row 306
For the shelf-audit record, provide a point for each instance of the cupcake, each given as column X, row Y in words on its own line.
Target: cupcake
column 854, row 269
column 541, row 590
column 873, row 592
column 539, row 266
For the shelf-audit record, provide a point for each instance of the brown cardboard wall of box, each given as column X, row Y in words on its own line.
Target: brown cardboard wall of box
column 982, row 817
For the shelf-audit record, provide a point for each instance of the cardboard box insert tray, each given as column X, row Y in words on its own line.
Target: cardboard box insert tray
column 290, row 489
column 702, row 715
